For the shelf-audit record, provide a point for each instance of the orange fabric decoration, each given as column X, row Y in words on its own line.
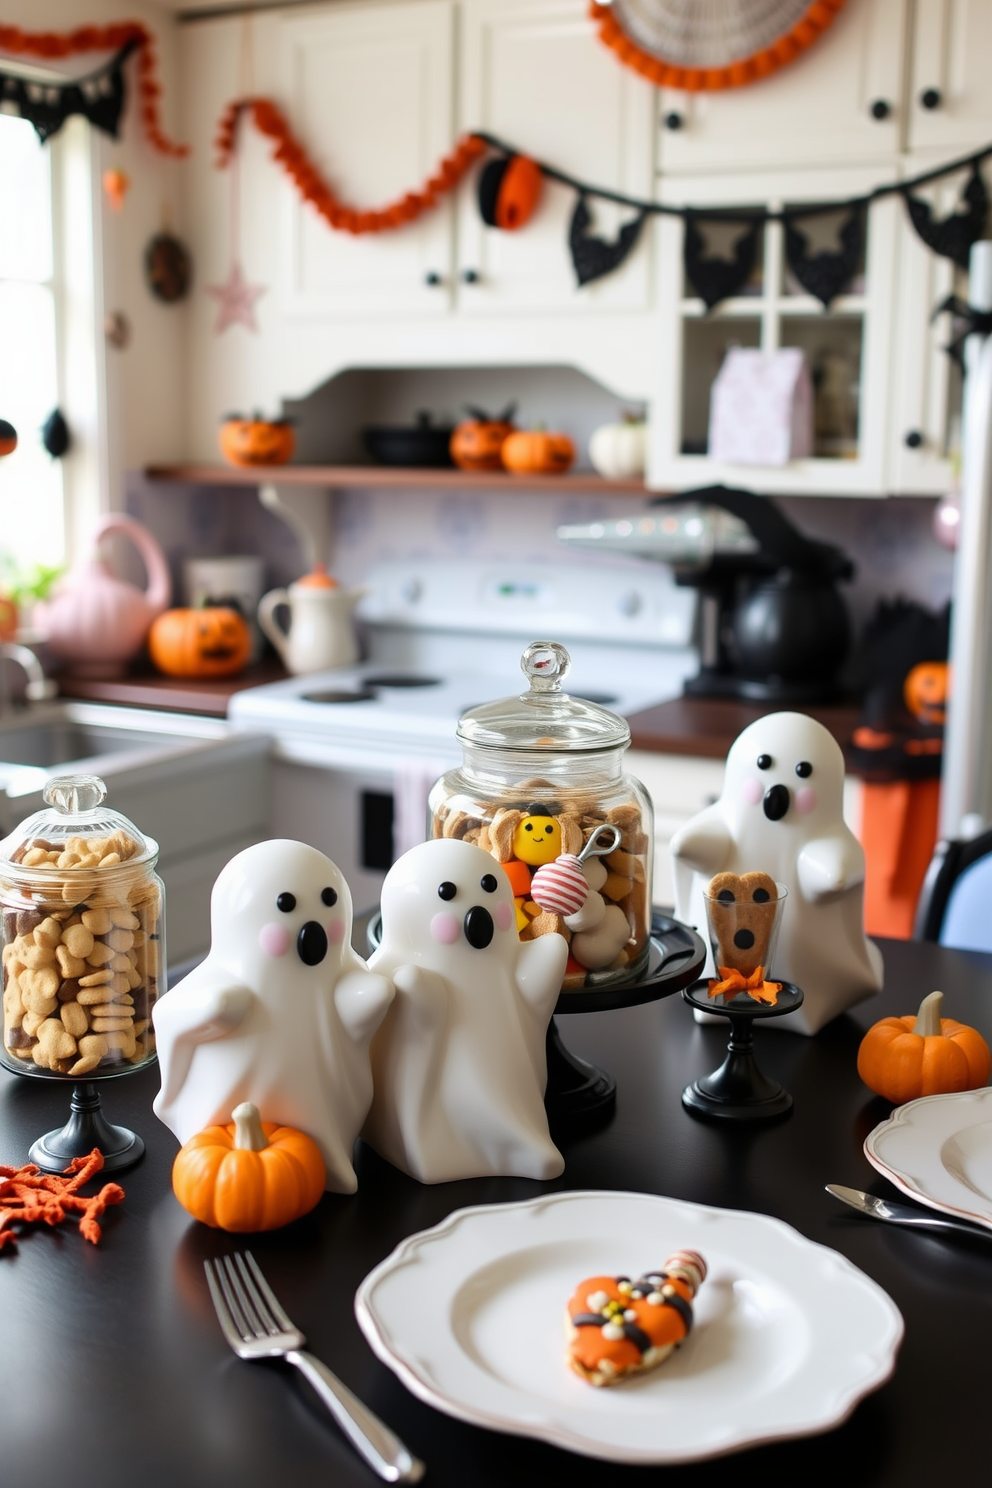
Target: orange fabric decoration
column 731, row 982
column 898, row 833
column 29, row 1196
column 290, row 154
column 736, row 74
column 52, row 44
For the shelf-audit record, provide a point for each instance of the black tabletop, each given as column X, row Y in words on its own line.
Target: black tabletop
column 113, row 1370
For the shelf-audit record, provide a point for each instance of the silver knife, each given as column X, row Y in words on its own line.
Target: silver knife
column 895, row 1213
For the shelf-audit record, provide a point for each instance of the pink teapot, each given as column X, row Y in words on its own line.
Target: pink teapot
column 96, row 621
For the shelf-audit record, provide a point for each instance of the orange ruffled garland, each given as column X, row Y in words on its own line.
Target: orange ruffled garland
column 290, row 154
column 731, row 982
column 53, row 44
column 29, row 1196
column 736, row 74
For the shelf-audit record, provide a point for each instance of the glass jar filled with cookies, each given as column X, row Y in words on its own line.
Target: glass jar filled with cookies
column 83, row 939
column 542, row 789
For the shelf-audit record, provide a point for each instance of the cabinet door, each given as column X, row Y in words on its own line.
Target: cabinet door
column 951, row 99
column 370, row 93
column 816, row 111
column 536, row 75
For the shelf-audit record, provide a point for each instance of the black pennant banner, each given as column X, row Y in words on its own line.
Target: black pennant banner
column 953, row 237
column 715, row 279
column 592, row 257
column 826, row 273
column 99, row 97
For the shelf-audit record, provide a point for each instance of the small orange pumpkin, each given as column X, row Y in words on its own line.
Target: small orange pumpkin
column 926, row 691
column 904, row 1058
column 535, row 452
column 477, row 443
column 256, row 441
column 212, row 642
column 251, row 1175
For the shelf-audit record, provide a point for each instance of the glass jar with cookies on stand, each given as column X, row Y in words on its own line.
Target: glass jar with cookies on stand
column 83, row 953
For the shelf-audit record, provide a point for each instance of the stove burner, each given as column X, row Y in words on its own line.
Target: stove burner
column 340, row 695
column 401, row 679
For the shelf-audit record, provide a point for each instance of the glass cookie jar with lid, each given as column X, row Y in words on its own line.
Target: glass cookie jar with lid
column 542, row 785
column 83, row 944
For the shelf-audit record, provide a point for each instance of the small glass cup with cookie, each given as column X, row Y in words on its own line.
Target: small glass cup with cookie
column 744, row 915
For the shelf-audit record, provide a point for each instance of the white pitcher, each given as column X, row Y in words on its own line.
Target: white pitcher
column 320, row 634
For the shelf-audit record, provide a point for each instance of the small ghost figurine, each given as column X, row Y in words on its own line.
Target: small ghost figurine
column 781, row 813
column 282, row 1011
column 459, row 1064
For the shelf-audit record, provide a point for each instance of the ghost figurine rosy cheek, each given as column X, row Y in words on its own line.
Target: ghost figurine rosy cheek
column 282, row 1011
column 781, row 813
column 459, row 1063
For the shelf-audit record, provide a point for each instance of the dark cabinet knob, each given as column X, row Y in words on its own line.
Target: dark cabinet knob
column 931, row 98
column 432, row 279
column 471, row 276
column 880, row 109
column 913, row 439
column 674, row 120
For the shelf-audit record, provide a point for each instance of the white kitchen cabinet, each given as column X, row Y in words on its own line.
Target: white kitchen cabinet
column 815, row 112
column 533, row 74
column 950, row 102
column 847, row 346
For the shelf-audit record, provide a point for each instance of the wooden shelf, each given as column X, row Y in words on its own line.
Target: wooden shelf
column 391, row 475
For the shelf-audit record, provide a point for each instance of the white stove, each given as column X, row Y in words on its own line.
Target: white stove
column 358, row 748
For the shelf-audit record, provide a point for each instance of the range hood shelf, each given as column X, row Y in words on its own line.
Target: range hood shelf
column 336, row 476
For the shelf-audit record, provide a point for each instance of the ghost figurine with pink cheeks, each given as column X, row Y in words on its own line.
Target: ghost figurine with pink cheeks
column 282, row 1011
column 459, row 1064
column 781, row 813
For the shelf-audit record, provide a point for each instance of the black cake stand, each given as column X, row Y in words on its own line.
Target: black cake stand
column 738, row 1091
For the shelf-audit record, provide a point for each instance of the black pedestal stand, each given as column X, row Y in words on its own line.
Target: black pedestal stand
column 86, row 1128
column 738, row 1091
column 579, row 1096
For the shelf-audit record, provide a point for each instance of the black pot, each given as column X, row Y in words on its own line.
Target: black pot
column 792, row 626
column 423, row 443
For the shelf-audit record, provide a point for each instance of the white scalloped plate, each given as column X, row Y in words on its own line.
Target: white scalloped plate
column 788, row 1337
column 939, row 1150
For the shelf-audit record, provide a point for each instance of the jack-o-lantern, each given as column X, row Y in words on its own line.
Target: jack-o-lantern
column 509, row 191
column 212, row 642
column 477, row 443
column 534, row 452
column 256, row 441
column 926, row 691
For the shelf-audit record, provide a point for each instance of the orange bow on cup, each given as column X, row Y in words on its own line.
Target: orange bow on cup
column 731, row 982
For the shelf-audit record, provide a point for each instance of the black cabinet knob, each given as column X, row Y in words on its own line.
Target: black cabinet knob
column 913, row 439
column 931, row 98
column 470, row 276
column 432, row 279
column 674, row 120
column 880, row 109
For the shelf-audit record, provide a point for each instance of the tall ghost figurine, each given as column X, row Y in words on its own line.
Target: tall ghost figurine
column 282, row 1011
column 781, row 812
column 459, row 1064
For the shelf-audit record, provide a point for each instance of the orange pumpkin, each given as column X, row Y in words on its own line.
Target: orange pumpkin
column 256, row 441
column 509, row 191
column 904, row 1058
column 926, row 691
column 477, row 443
column 248, row 1176
column 212, row 642
column 534, row 452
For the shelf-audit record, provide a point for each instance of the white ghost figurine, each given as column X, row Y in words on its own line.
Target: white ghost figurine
column 781, row 812
column 459, row 1064
column 282, row 1011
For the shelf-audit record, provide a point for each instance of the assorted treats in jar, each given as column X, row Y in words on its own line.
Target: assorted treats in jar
column 542, row 790
column 83, row 951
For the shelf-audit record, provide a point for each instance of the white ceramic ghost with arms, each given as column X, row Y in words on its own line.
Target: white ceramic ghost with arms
column 459, row 1063
column 781, row 812
column 282, row 1011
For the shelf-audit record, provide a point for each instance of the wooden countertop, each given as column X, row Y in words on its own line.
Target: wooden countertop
column 706, row 727
column 148, row 689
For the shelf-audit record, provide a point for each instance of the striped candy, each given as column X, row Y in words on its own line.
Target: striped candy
column 560, row 887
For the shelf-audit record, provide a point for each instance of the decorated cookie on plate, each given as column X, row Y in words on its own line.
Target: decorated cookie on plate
column 619, row 1326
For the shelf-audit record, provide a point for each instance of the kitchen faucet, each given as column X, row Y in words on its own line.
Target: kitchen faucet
column 39, row 687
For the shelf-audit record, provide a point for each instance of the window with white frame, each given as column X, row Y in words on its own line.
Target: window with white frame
column 32, row 523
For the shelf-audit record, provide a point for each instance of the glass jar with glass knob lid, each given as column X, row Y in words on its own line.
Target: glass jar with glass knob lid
column 83, row 954
column 542, row 789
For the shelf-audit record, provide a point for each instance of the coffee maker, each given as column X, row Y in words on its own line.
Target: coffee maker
column 773, row 626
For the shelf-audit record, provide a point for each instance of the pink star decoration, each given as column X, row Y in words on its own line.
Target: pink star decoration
column 236, row 298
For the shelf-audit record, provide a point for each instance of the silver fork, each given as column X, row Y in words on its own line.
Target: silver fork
column 256, row 1327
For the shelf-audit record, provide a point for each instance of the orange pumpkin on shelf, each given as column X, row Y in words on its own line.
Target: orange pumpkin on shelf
column 212, row 642
column 536, row 452
column 477, row 443
column 926, row 691
column 904, row 1058
column 256, row 441
column 251, row 1175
